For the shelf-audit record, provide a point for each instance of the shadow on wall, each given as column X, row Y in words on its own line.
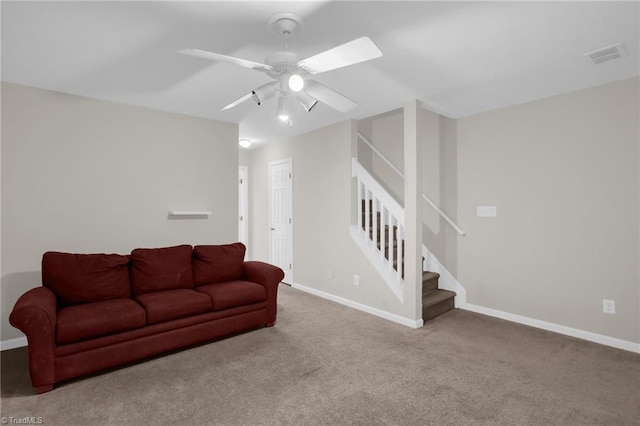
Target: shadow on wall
column 443, row 243
column 12, row 286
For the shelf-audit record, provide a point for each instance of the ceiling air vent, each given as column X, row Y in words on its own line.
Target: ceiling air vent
column 607, row 54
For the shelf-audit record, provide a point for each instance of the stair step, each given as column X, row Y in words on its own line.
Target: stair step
column 437, row 302
column 429, row 281
column 434, row 300
column 436, row 296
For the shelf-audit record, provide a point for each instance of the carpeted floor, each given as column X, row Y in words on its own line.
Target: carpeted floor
column 326, row 364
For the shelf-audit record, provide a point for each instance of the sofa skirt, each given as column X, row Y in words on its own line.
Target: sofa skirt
column 104, row 357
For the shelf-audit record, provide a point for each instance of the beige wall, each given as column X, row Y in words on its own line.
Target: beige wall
column 321, row 216
column 563, row 173
column 83, row 175
column 444, row 245
column 430, row 139
column 386, row 133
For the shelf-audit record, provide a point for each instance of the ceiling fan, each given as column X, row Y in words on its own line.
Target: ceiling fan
column 291, row 75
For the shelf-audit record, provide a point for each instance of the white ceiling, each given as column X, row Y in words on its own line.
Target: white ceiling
column 458, row 58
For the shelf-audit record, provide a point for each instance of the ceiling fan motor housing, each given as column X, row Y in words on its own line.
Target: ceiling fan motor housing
column 282, row 62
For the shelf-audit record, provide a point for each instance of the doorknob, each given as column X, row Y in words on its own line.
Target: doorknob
column 273, row 229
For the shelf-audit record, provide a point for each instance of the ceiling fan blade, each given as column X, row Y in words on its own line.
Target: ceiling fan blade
column 237, row 101
column 329, row 96
column 218, row 57
column 353, row 52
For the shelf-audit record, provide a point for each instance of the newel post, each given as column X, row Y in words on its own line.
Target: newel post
column 413, row 213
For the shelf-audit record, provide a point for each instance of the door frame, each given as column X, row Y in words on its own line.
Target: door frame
column 243, row 206
column 288, row 274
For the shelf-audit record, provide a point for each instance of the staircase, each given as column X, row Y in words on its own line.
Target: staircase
column 435, row 301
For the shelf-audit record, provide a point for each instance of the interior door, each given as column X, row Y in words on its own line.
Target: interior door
column 280, row 217
column 243, row 208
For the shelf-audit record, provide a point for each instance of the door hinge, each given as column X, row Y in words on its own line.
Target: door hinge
column 290, row 266
column 289, row 221
column 240, row 180
column 241, row 218
column 289, row 175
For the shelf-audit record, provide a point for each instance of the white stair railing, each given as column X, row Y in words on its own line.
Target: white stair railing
column 424, row 197
column 374, row 199
column 380, row 228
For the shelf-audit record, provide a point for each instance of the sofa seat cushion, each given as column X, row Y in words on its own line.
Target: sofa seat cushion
column 159, row 269
column 82, row 322
column 217, row 263
column 233, row 293
column 86, row 278
column 168, row 305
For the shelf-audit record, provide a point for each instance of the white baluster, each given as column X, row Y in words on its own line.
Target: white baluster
column 400, row 251
column 391, row 249
column 383, row 237
column 374, row 215
column 359, row 202
column 366, row 212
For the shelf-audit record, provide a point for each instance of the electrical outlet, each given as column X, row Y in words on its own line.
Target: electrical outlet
column 608, row 306
column 356, row 280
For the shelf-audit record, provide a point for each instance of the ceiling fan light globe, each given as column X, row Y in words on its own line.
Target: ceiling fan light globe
column 296, row 82
column 284, row 109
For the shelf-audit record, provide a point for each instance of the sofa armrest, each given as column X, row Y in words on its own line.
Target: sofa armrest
column 269, row 276
column 35, row 315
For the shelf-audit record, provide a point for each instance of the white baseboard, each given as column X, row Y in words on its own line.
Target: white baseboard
column 556, row 328
column 18, row 342
column 359, row 306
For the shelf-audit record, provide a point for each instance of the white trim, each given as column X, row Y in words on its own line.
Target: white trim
column 389, row 276
column 243, row 206
column 446, row 281
column 374, row 186
column 359, row 306
column 556, row 328
column 190, row 212
column 626, row 345
column 18, row 342
column 382, row 157
column 444, row 215
column 289, row 272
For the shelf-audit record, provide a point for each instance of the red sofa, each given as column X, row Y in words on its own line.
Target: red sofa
column 96, row 311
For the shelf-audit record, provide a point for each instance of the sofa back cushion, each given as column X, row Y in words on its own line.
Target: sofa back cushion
column 158, row 269
column 217, row 263
column 85, row 278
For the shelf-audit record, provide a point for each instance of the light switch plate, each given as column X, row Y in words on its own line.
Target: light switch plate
column 486, row 211
column 608, row 306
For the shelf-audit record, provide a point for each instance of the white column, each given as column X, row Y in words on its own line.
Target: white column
column 412, row 212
